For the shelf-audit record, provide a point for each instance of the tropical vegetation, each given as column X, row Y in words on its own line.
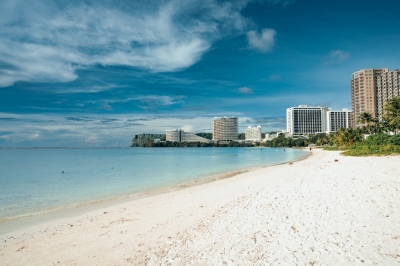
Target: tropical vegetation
column 379, row 140
column 392, row 114
column 373, row 138
column 166, row 144
column 378, row 144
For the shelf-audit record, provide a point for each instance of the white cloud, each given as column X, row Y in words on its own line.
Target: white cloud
column 262, row 42
column 48, row 40
column 92, row 139
column 281, row 2
column 275, row 77
column 143, row 101
column 38, row 130
column 245, row 90
column 46, row 130
column 337, row 57
column 187, row 128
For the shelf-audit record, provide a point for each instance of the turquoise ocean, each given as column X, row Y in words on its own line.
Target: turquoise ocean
column 38, row 181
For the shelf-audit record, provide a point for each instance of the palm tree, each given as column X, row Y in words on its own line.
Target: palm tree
column 367, row 119
column 381, row 127
column 392, row 113
column 347, row 137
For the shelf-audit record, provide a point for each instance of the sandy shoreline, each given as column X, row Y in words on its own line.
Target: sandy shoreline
column 16, row 223
column 315, row 211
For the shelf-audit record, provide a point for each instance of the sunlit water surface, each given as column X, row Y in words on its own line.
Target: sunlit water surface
column 34, row 181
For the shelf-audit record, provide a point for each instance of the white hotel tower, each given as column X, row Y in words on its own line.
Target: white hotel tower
column 253, row 133
column 338, row 119
column 179, row 135
column 304, row 120
column 225, row 129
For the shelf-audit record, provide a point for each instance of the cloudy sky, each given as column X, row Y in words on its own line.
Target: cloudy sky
column 93, row 73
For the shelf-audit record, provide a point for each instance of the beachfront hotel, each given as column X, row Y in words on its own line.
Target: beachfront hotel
column 304, row 120
column 225, row 129
column 179, row 135
column 337, row 119
column 253, row 133
column 371, row 89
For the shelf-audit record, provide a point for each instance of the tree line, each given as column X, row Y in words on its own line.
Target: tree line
column 196, row 144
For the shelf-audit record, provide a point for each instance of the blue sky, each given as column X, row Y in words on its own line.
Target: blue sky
column 88, row 73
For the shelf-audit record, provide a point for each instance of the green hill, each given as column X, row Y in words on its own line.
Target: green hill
column 141, row 139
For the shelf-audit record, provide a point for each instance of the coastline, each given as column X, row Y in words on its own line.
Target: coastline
column 8, row 225
column 315, row 211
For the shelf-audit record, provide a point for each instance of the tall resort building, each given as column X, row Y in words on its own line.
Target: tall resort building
column 225, row 129
column 371, row 89
column 179, row 135
column 387, row 87
column 253, row 133
column 304, row 120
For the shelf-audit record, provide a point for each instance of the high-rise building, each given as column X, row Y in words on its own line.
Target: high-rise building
column 179, row 135
column 337, row 119
column 253, row 133
column 352, row 121
column 304, row 120
column 371, row 89
column 225, row 129
column 387, row 87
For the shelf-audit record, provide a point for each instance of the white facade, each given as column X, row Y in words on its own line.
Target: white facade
column 337, row 119
column 270, row 136
column 253, row 133
column 304, row 120
column 225, row 129
column 178, row 135
column 174, row 135
column 273, row 136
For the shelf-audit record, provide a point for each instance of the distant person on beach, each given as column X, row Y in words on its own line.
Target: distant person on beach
column 310, row 149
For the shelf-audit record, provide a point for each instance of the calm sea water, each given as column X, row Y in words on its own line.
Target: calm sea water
column 32, row 182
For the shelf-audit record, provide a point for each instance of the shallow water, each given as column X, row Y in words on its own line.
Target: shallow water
column 34, row 181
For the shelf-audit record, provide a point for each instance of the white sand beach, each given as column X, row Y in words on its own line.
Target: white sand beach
column 312, row 212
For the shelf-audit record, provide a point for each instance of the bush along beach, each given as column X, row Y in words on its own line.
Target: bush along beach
column 375, row 137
